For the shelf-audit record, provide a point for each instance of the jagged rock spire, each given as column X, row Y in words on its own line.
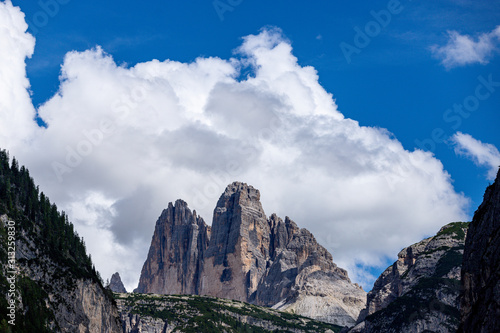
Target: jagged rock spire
column 246, row 256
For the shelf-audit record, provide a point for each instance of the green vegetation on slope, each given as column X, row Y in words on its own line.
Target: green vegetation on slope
column 33, row 213
column 53, row 237
column 210, row 314
column 456, row 229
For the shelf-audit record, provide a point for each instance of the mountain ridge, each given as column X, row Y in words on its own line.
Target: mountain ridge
column 248, row 257
column 59, row 290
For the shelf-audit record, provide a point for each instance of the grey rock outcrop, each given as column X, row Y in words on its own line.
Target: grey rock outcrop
column 175, row 258
column 116, row 284
column 247, row 257
column 85, row 309
column 48, row 282
column 420, row 291
column 303, row 277
column 480, row 303
column 75, row 304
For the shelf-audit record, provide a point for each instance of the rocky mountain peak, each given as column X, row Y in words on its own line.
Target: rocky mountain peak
column 243, row 188
column 238, row 186
column 176, row 253
column 179, row 214
column 239, row 245
column 247, row 257
column 116, row 284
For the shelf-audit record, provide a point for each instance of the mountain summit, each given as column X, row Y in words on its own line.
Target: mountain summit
column 116, row 284
column 175, row 257
column 248, row 257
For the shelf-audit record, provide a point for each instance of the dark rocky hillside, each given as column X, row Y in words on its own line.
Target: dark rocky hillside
column 480, row 306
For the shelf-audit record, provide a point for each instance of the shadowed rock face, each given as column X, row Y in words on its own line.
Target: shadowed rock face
column 247, row 257
column 480, row 303
column 116, row 284
column 175, row 258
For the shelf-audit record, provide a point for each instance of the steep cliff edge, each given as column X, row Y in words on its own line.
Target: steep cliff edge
column 480, row 303
column 237, row 255
column 45, row 271
column 420, row 291
column 248, row 257
column 175, row 257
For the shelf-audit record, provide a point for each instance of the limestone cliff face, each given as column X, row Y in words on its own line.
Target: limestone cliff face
column 116, row 284
column 237, row 255
column 420, row 291
column 480, row 303
column 46, row 276
column 248, row 257
column 70, row 303
column 175, row 258
column 87, row 309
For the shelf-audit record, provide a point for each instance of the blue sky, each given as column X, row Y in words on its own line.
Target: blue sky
column 394, row 82
column 400, row 81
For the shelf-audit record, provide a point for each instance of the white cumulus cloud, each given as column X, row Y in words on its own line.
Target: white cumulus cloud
column 482, row 154
column 122, row 142
column 463, row 49
column 16, row 110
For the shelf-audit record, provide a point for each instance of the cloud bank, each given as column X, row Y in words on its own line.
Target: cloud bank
column 17, row 111
column 122, row 142
column 482, row 154
column 463, row 50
